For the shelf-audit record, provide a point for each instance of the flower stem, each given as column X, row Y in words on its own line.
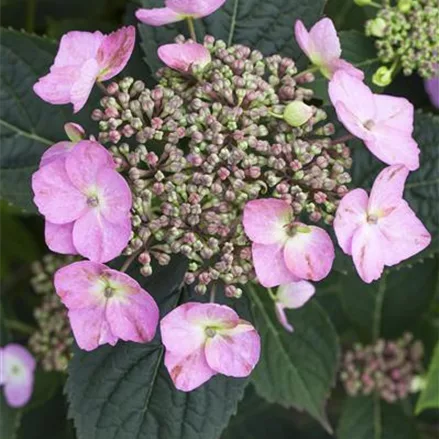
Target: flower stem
column 190, row 24
column 15, row 325
column 271, row 294
column 312, row 69
column 212, row 293
column 102, row 87
column 31, row 6
column 130, row 260
column 343, row 139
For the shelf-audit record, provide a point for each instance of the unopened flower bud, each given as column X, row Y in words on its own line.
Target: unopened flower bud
column 404, row 5
column 74, row 132
column 382, row 77
column 297, row 113
column 377, row 27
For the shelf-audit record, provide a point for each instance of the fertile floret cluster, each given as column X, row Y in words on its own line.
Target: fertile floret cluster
column 386, row 367
column 202, row 143
column 409, row 34
column 51, row 343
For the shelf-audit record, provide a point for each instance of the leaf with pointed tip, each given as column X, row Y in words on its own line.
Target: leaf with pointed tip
column 429, row 398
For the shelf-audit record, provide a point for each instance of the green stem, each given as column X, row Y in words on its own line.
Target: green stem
column 379, row 300
column 271, row 294
column 15, row 325
column 312, row 69
column 31, row 6
column 191, row 26
column 212, row 293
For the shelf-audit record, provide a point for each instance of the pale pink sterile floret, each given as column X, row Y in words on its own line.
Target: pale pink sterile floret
column 17, row 368
column 84, row 58
column 83, row 194
column 285, row 250
column 292, row 296
column 105, row 305
column 379, row 230
column 322, row 46
column 202, row 340
column 384, row 123
column 183, row 57
column 177, row 10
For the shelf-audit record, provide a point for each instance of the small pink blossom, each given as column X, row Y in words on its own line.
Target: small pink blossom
column 202, row 340
column 177, row 10
column 105, row 305
column 292, row 296
column 84, row 58
column 86, row 203
column 384, row 123
column 379, row 230
column 17, row 367
column 182, row 57
column 284, row 250
column 322, row 46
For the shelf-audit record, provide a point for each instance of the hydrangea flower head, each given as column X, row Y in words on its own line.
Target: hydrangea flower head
column 379, row 230
column 84, row 58
column 322, row 46
column 384, row 123
column 17, row 367
column 284, row 250
column 292, row 296
column 177, row 10
column 105, row 305
column 182, row 57
column 86, row 203
column 202, row 340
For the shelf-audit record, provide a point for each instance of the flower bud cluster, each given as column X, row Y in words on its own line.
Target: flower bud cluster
column 386, row 367
column 51, row 343
column 200, row 145
column 408, row 33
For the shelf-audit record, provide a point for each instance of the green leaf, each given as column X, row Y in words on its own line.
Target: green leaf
column 28, row 126
column 10, row 419
column 296, row 369
column 371, row 418
column 262, row 25
column 429, row 398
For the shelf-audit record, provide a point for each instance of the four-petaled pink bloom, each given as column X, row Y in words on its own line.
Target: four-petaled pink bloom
column 84, row 58
column 105, row 305
column 17, row 367
column 322, row 46
column 379, row 230
column 202, row 340
column 292, row 296
column 86, row 203
column 283, row 250
column 177, row 10
column 182, row 57
column 384, row 123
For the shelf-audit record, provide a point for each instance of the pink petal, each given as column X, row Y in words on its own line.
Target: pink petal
column 397, row 113
column 85, row 162
column 387, row 190
column 368, row 248
column 295, row 294
column 57, row 151
column 59, row 238
column 325, row 42
column 114, row 195
column 196, row 8
column 19, row 394
column 234, row 352
column 405, row 233
column 212, row 314
column 78, row 47
column 98, row 239
column 279, row 309
column 265, row 220
column 351, row 122
column 83, row 85
column 310, row 255
column 74, row 132
column 182, row 57
column 303, row 38
column 78, row 285
column 90, row 328
column 158, row 16
column 269, row 262
column 432, row 89
column 13, row 353
column 55, row 196
column 188, row 371
column 341, row 64
column 115, row 52
column 351, row 214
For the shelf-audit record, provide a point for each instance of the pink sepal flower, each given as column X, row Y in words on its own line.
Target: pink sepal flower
column 86, row 203
column 384, row 123
column 322, row 46
column 177, row 10
column 379, row 230
column 292, row 296
column 202, row 340
column 285, row 251
column 182, row 57
column 17, row 367
column 84, row 58
column 105, row 305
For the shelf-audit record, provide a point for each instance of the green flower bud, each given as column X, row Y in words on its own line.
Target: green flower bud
column 382, row 77
column 377, row 27
column 297, row 113
column 362, row 2
column 74, row 132
column 404, row 5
